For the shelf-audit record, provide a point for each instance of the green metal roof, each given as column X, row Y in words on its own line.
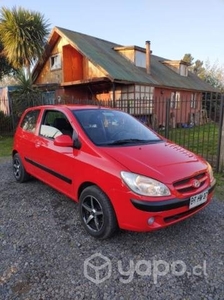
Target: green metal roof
column 168, row 77
column 119, row 68
column 101, row 53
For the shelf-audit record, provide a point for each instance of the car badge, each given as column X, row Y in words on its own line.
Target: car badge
column 195, row 183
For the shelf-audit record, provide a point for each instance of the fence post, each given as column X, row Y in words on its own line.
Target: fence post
column 220, row 152
column 12, row 114
column 167, row 118
column 113, row 93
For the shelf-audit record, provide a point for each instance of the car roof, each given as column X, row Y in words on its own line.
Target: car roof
column 70, row 106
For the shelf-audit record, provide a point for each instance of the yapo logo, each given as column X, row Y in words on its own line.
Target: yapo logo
column 97, row 268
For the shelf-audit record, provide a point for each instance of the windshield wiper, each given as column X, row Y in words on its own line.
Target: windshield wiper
column 129, row 141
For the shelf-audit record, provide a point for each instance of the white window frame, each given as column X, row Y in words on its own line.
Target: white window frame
column 55, row 61
column 183, row 70
column 175, row 100
column 193, row 100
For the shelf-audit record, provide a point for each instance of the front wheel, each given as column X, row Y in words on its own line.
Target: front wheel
column 97, row 213
column 19, row 171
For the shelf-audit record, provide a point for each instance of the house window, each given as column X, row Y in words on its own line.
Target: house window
column 55, row 61
column 48, row 97
column 137, row 99
column 183, row 70
column 133, row 92
column 144, row 92
column 175, row 100
column 193, row 100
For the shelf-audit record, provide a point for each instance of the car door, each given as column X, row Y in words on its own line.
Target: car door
column 55, row 164
column 26, row 138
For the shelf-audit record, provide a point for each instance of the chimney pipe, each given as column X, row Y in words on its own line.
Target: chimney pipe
column 148, row 57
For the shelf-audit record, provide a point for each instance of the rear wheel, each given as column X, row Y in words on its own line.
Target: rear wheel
column 97, row 213
column 19, row 171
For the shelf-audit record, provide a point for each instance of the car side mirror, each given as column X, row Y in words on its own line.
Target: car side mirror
column 63, row 141
column 76, row 142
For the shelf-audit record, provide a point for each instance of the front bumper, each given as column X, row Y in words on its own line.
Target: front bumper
column 135, row 215
column 157, row 206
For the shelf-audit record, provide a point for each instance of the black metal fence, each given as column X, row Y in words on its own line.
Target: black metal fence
column 193, row 125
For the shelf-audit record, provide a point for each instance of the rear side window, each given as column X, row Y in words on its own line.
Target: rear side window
column 30, row 120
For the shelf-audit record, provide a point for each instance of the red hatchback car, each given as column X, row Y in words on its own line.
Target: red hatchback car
column 122, row 174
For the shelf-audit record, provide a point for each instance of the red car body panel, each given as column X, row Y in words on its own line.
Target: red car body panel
column 68, row 169
column 158, row 160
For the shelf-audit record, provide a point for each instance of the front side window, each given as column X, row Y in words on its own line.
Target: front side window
column 55, row 123
column 30, row 120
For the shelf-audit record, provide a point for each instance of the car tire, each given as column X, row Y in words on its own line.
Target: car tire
column 96, row 213
column 19, row 171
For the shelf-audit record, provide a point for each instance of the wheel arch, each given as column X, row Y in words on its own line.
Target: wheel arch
column 86, row 184
column 82, row 187
column 14, row 152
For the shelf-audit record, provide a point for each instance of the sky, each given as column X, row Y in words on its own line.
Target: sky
column 173, row 27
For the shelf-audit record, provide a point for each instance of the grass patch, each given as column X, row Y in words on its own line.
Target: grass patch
column 219, row 190
column 201, row 139
column 6, row 145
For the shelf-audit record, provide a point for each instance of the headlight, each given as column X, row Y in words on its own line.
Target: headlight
column 210, row 172
column 144, row 185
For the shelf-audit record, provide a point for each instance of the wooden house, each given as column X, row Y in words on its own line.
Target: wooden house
column 79, row 66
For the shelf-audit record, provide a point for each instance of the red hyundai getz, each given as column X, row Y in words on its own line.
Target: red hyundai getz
column 122, row 174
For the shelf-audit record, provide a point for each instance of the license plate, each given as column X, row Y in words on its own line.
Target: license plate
column 198, row 199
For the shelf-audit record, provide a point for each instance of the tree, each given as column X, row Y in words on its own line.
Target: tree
column 213, row 74
column 23, row 35
column 197, row 67
column 5, row 67
column 188, row 58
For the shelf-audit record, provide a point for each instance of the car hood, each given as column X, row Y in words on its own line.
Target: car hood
column 163, row 161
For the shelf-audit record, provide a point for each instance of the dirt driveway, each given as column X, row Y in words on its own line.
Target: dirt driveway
column 46, row 254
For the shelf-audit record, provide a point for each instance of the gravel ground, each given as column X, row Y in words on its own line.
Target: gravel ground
column 46, row 254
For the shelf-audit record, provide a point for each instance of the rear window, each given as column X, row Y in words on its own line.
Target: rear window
column 30, row 120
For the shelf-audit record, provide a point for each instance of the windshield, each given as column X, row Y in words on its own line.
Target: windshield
column 112, row 127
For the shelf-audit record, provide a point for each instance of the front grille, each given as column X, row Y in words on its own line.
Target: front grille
column 174, row 218
column 185, row 186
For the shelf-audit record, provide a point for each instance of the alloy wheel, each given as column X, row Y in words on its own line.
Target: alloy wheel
column 92, row 213
column 17, row 168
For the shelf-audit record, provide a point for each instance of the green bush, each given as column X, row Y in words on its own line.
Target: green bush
column 5, row 123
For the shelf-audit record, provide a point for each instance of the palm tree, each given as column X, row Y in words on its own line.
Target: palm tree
column 5, row 67
column 23, row 34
